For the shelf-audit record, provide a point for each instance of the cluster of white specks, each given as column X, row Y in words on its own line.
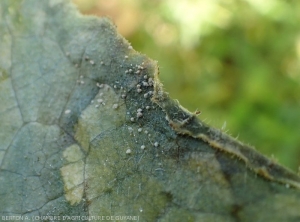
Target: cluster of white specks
column 128, row 151
column 99, row 101
column 138, row 69
column 143, row 147
column 139, row 90
column 132, row 119
column 115, row 106
column 156, row 144
column 140, row 130
column 67, row 111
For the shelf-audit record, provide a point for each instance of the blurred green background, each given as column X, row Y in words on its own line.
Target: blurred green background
column 235, row 60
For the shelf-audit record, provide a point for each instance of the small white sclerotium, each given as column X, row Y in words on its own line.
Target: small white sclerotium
column 128, row 151
column 139, row 115
column 156, row 144
column 67, row 111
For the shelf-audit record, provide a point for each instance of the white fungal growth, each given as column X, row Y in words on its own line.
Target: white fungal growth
column 147, row 107
column 150, row 82
column 145, row 83
column 143, row 147
column 115, row 106
column 100, row 100
column 96, row 106
column 128, row 151
column 137, row 72
column 139, row 115
column 138, row 86
column 140, row 130
column 132, row 119
column 67, row 111
column 126, row 57
column 139, row 90
column 145, row 76
column 145, row 95
column 123, row 96
column 92, row 62
column 156, row 144
column 139, row 110
column 99, row 85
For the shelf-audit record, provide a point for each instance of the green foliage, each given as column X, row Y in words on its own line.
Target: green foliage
column 246, row 74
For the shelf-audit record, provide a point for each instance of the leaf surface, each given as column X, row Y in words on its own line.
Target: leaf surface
column 86, row 130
